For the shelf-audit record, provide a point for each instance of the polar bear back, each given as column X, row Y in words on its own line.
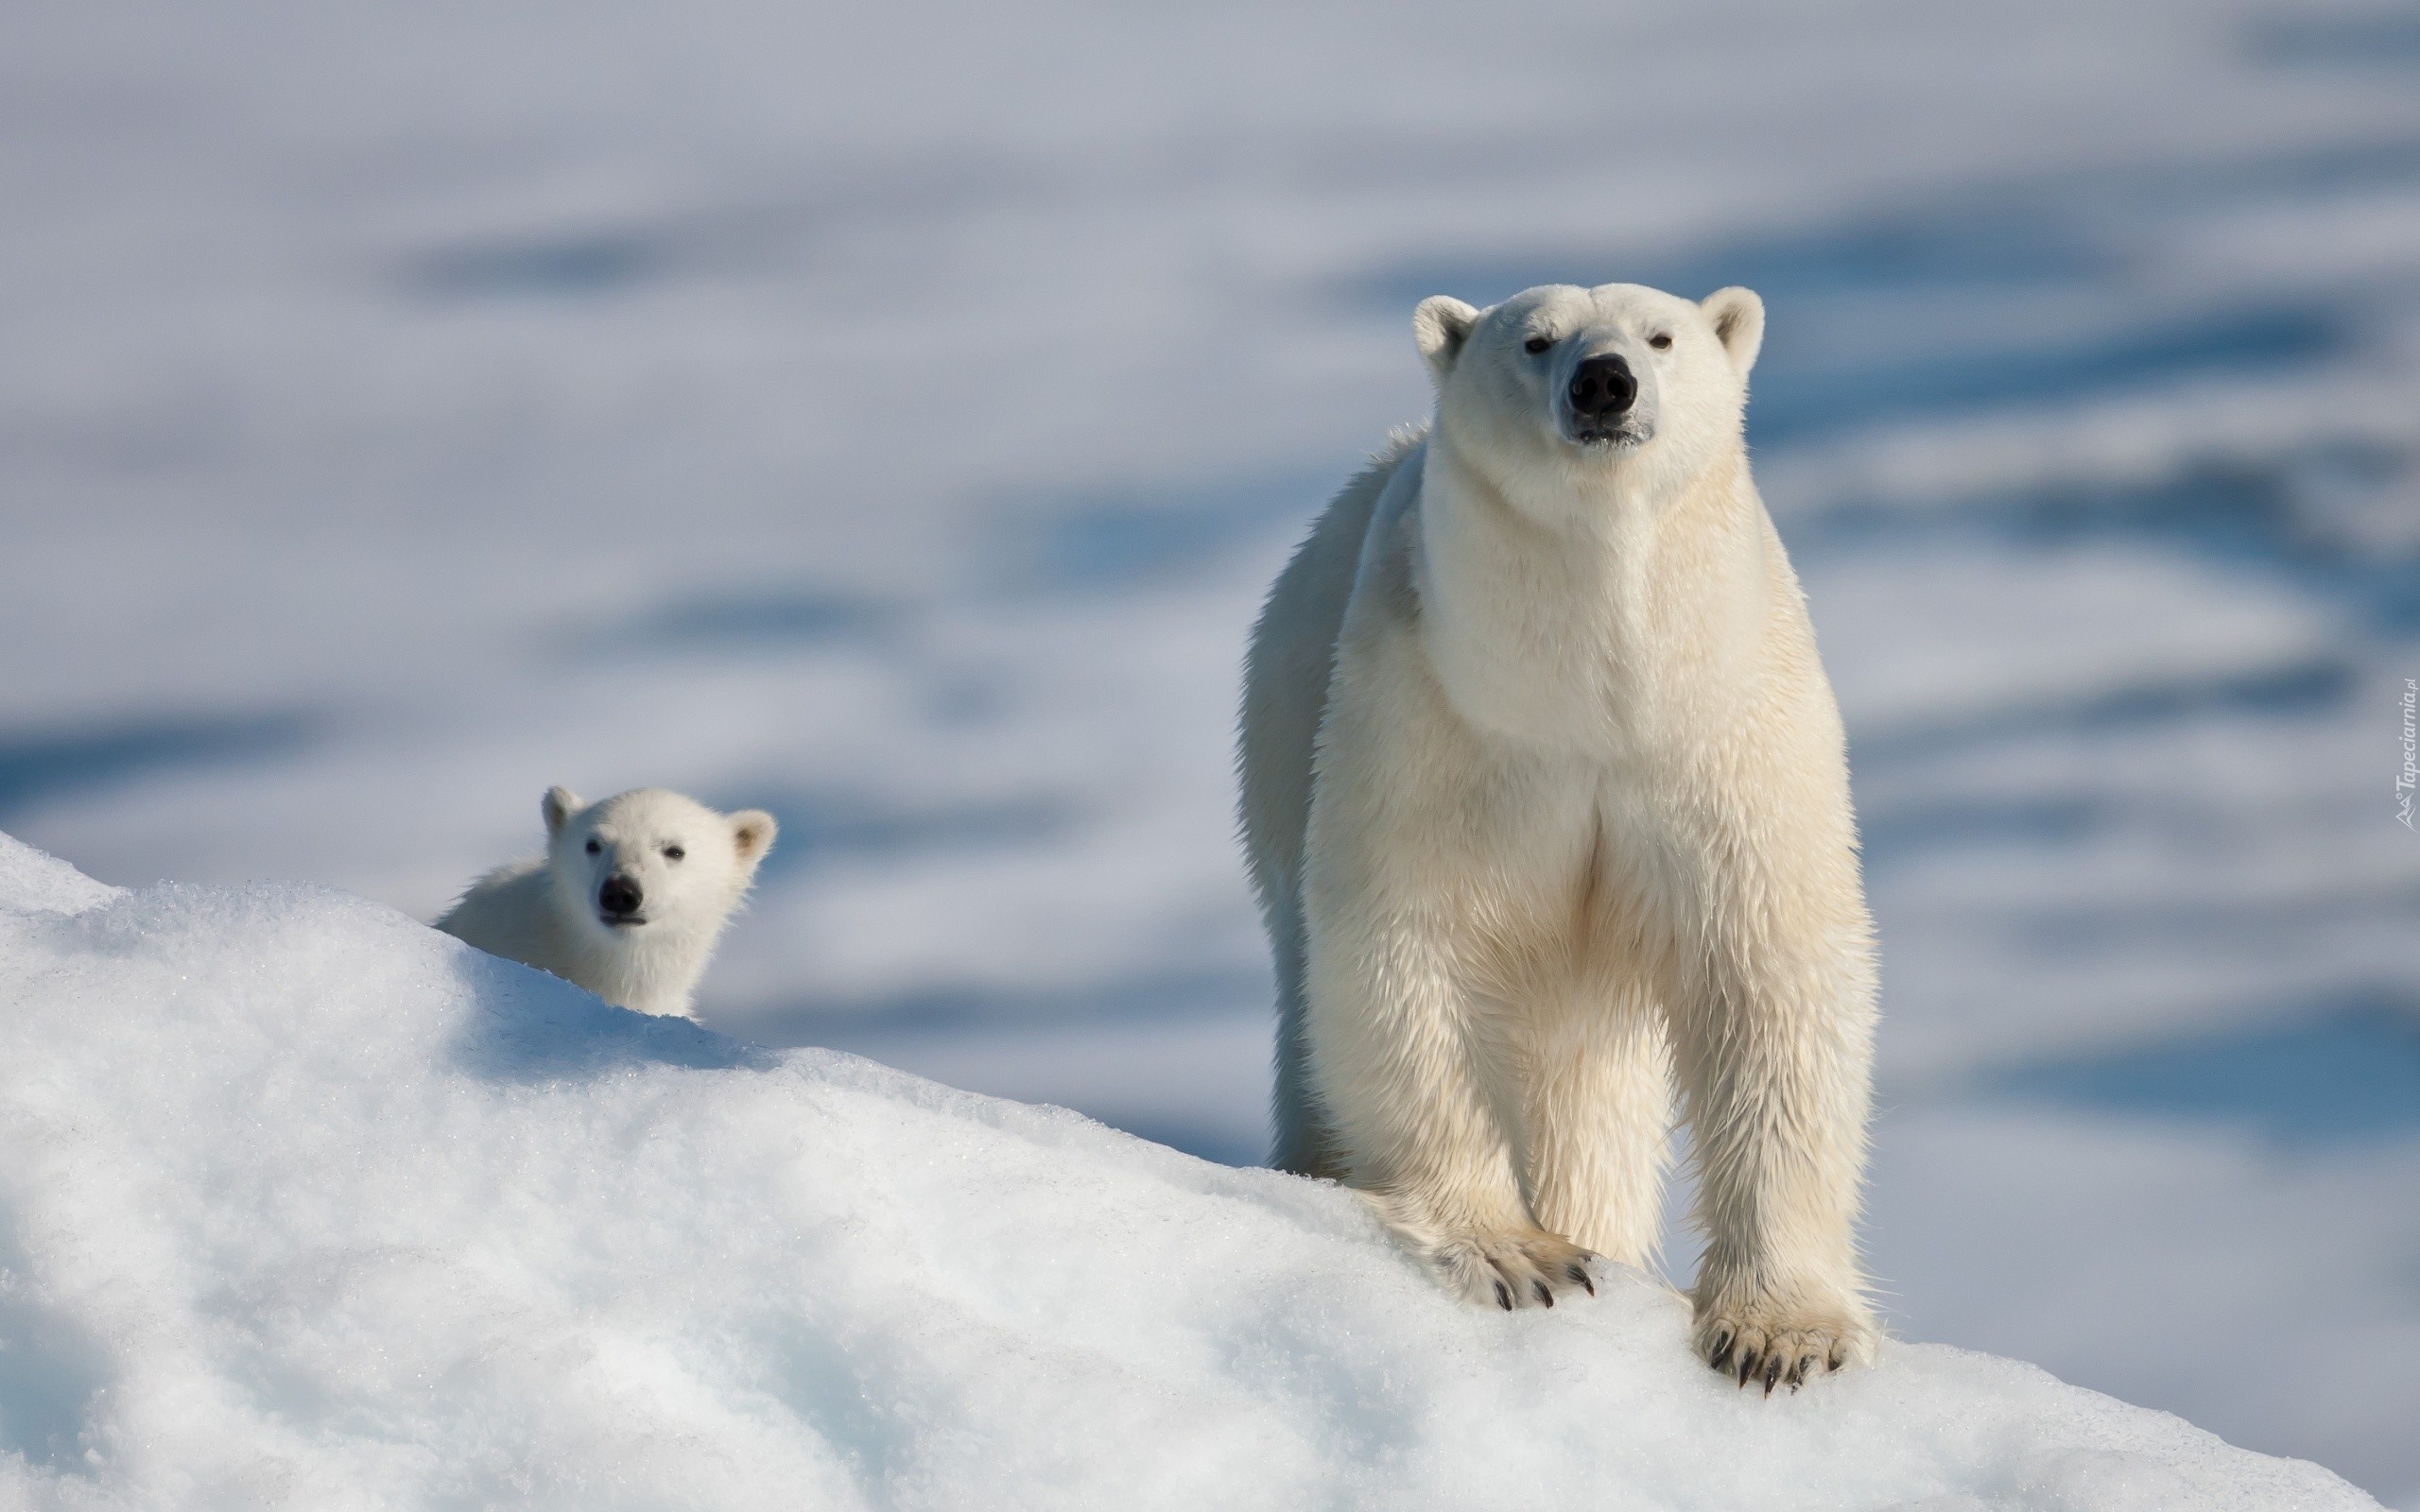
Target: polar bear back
column 1288, row 672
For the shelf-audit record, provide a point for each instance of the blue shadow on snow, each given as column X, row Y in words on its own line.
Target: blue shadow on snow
column 2265, row 516
column 820, row 826
column 773, row 619
column 2304, row 686
column 1116, row 540
column 38, row 767
column 51, row 1367
column 2348, row 1075
column 572, row 265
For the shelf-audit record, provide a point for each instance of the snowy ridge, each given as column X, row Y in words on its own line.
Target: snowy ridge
column 311, row 1206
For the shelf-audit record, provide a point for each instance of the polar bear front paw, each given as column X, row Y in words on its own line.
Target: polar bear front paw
column 1780, row 1347
column 1512, row 1271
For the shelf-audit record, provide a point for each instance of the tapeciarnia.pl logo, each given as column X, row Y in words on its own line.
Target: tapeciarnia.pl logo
column 2404, row 779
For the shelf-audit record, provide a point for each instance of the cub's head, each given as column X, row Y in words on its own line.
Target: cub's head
column 649, row 863
column 1572, row 381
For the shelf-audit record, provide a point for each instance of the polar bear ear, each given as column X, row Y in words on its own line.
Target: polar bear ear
column 558, row 806
column 1438, row 327
column 1738, row 321
column 751, row 833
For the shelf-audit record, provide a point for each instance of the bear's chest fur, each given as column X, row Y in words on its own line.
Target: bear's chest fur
column 1617, row 635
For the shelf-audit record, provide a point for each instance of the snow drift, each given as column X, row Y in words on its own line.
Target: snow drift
column 307, row 1205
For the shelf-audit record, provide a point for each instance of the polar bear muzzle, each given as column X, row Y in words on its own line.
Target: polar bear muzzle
column 1602, row 392
column 619, row 899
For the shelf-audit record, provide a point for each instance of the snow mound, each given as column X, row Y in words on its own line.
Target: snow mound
column 32, row 881
column 306, row 1205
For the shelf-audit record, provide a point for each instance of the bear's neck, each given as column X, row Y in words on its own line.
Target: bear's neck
column 1595, row 612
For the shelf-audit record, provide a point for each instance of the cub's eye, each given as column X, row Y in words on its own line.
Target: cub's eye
column 1659, row 340
column 593, row 848
column 673, row 853
column 1535, row 345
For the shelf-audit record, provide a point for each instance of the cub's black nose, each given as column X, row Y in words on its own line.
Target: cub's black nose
column 619, row 898
column 1602, row 386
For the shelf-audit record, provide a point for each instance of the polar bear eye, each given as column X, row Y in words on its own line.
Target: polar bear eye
column 673, row 853
column 1535, row 345
column 1660, row 340
column 593, row 848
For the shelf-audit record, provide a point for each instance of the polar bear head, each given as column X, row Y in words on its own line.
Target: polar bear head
column 1563, row 385
column 649, row 863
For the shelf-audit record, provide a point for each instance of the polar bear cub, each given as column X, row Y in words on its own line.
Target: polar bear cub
column 630, row 900
column 1548, row 809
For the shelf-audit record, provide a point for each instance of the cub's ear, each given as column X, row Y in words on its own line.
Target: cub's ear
column 1738, row 319
column 1438, row 327
column 558, row 806
column 752, row 832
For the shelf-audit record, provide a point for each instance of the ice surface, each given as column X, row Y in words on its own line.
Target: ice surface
column 33, row 882
column 307, row 1205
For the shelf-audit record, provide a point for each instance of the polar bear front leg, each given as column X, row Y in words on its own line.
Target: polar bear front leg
column 1774, row 1053
column 1397, row 1063
column 1597, row 1118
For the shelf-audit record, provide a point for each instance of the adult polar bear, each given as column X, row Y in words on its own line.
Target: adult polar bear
column 1547, row 800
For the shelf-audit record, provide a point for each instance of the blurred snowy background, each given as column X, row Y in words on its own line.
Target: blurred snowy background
column 892, row 417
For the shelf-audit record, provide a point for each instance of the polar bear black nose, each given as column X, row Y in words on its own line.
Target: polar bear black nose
column 1603, row 385
column 619, row 898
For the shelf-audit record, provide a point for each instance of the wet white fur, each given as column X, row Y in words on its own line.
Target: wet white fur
column 544, row 913
column 1547, row 808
